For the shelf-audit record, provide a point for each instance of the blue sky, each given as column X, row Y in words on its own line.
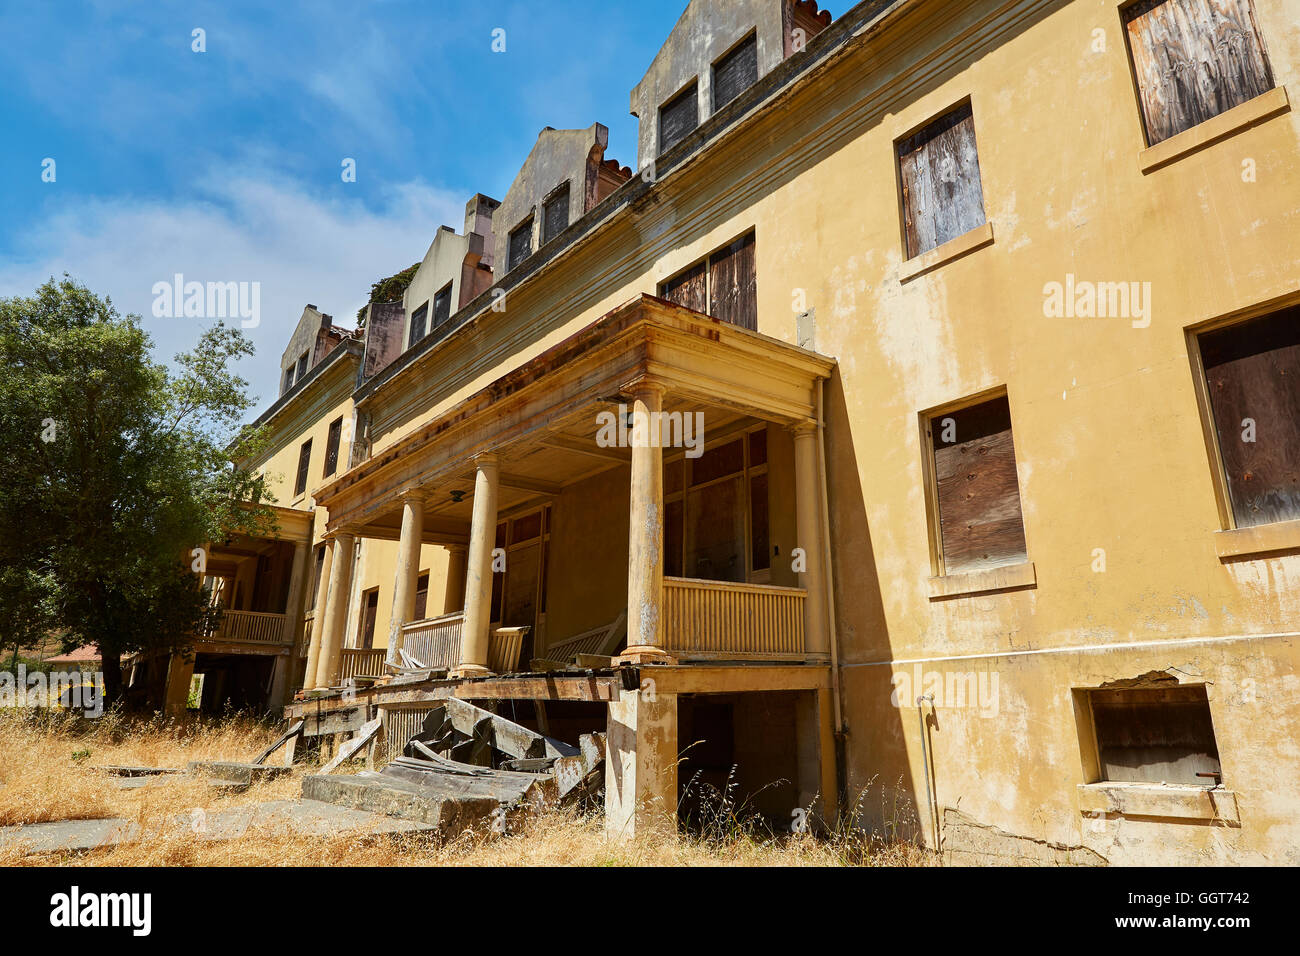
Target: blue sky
column 225, row 165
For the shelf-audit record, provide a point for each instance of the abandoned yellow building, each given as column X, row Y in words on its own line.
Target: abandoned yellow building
column 970, row 332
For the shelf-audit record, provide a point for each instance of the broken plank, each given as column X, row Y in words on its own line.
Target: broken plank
column 368, row 730
column 294, row 730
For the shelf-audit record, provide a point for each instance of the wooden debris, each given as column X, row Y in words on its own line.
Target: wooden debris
column 368, row 731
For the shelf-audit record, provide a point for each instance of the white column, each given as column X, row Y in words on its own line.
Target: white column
column 336, row 611
column 406, row 578
column 645, row 553
column 478, row 570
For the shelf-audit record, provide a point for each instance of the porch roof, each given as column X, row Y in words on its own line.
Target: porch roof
column 540, row 419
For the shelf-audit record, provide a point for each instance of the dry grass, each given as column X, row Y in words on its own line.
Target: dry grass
column 47, row 772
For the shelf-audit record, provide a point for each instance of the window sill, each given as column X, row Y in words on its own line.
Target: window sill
column 1240, row 117
column 1010, row 577
column 1177, row 801
column 964, row 244
column 1258, row 541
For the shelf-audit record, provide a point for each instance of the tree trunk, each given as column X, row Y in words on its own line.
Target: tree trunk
column 111, row 665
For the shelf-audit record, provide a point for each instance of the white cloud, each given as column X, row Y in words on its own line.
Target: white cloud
column 240, row 227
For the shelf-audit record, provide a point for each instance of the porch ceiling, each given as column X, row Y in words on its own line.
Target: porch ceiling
column 541, row 419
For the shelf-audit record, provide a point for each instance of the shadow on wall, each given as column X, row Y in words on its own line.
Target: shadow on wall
column 879, row 793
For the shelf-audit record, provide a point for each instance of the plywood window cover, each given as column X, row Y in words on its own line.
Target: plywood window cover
column 946, row 583
column 941, row 125
column 705, row 268
column 557, row 200
column 1199, row 53
column 747, row 49
column 674, row 107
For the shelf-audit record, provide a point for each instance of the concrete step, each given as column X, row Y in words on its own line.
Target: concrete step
column 235, row 773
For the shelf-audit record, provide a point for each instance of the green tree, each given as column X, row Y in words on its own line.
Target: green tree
column 120, row 469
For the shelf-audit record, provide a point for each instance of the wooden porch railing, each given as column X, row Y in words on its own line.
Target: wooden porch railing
column 361, row 661
column 434, row 642
column 250, row 627
column 720, row 620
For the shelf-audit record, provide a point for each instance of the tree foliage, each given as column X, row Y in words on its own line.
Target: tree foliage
column 119, row 468
column 388, row 290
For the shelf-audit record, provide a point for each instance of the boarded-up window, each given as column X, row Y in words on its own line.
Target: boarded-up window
column 1252, row 376
column 304, row 461
column 521, row 243
column 689, row 289
column 370, row 610
column 418, row 319
column 288, row 380
column 332, row 447
column 441, row 307
column 555, row 214
column 1155, row 735
column 732, row 292
column 735, row 72
column 1193, row 60
column 302, row 367
column 980, row 524
column 939, row 169
column 678, row 117
column 723, row 286
column 421, row 597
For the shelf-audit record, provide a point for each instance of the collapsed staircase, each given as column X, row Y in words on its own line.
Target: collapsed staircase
column 466, row 767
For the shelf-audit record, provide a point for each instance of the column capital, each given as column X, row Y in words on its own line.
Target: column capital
column 413, row 493
column 801, row 429
column 487, row 460
column 646, row 384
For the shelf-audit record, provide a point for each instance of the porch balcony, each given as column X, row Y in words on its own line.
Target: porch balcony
column 250, row 627
column 558, row 517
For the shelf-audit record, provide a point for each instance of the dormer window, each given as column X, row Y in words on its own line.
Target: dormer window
column 735, row 72
column 555, row 214
column 521, row 244
column 679, row 117
column 418, row 318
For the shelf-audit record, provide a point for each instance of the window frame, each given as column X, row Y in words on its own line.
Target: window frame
column 1205, row 407
column 746, row 474
column 565, row 191
column 964, row 104
column 423, row 313
column 930, row 480
column 525, row 226
column 733, row 50
column 707, row 261
column 304, row 470
column 1125, row 14
column 690, row 90
column 333, row 441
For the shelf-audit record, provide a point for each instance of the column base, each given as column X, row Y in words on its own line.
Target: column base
column 469, row 670
column 644, row 654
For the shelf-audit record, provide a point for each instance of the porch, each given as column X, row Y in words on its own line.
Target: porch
column 714, row 550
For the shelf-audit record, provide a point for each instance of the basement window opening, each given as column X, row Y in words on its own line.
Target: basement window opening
column 1155, row 735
